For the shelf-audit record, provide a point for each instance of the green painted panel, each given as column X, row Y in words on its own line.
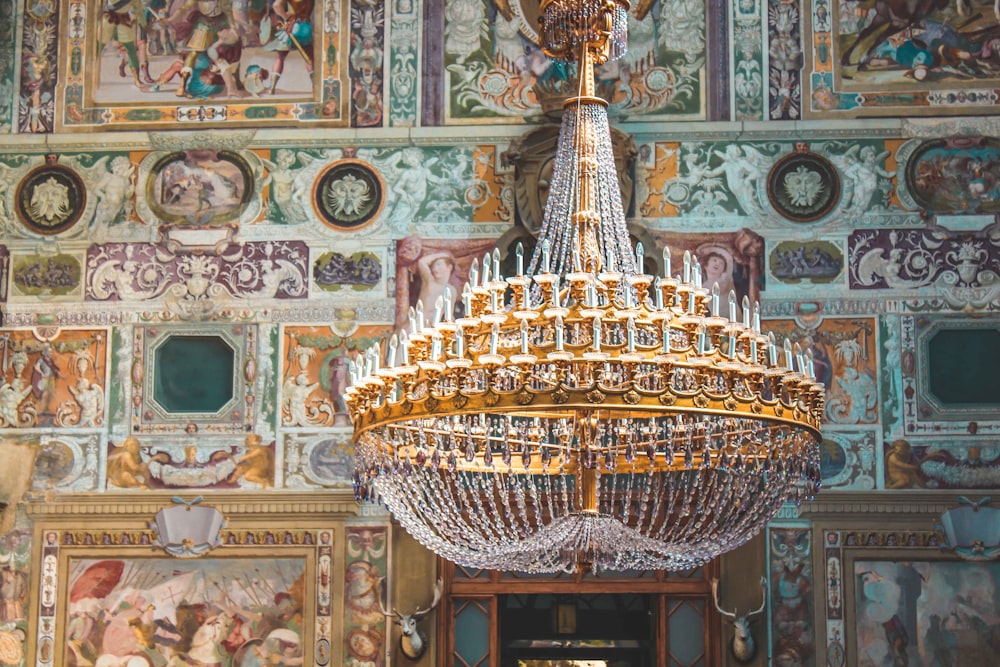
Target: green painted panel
column 965, row 366
column 193, row 374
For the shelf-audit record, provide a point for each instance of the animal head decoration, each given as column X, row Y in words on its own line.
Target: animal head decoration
column 412, row 642
column 743, row 645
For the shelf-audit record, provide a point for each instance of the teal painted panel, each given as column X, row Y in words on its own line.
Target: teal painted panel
column 194, row 374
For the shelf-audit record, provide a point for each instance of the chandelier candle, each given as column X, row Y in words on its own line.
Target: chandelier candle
column 597, row 418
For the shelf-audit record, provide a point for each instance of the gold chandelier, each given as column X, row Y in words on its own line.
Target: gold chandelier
column 584, row 415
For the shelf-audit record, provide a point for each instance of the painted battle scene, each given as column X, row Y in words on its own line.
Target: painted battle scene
column 917, row 45
column 926, row 613
column 199, row 186
column 239, row 612
column 159, row 50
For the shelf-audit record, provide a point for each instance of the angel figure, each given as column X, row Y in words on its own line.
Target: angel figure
column 743, row 167
column 864, row 174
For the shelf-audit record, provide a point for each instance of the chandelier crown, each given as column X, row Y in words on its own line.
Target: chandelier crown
column 584, row 414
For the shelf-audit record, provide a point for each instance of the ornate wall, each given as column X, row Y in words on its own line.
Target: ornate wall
column 205, row 210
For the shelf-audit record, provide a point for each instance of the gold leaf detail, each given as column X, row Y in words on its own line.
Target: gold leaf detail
column 730, row 404
column 407, row 407
column 595, row 396
column 432, row 403
column 631, row 397
column 778, row 411
column 524, row 398
column 460, row 401
column 756, row 407
column 491, row 398
column 668, row 399
column 701, row 401
column 560, row 396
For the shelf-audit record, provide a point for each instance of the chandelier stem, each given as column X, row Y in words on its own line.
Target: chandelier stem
column 588, row 482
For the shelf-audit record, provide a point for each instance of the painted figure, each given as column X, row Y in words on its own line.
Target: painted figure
column 435, row 271
column 126, row 469
column 902, row 471
column 43, row 381
column 293, row 31
column 13, row 393
column 89, row 396
column 122, row 23
column 256, row 465
column 115, row 191
column 202, row 25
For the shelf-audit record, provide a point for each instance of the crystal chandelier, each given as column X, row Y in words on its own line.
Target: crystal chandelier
column 584, row 415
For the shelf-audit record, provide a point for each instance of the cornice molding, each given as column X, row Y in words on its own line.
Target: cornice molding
column 500, row 134
column 236, row 506
column 909, row 503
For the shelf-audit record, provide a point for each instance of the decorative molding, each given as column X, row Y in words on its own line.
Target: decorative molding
column 935, row 128
column 912, row 503
column 237, row 506
column 231, row 140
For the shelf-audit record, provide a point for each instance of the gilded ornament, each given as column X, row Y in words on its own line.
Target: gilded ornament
column 595, row 396
column 560, row 396
column 524, row 397
column 632, row 397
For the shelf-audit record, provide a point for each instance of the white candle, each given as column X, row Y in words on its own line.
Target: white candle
column 494, row 337
column 393, row 348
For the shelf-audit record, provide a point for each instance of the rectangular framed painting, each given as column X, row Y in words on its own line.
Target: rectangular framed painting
column 926, row 612
column 156, row 64
column 895, row 58
column 893, row 598
column 263, row 597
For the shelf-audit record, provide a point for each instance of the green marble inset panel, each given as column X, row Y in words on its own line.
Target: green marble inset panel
column 193, row 374
column 964, row 366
